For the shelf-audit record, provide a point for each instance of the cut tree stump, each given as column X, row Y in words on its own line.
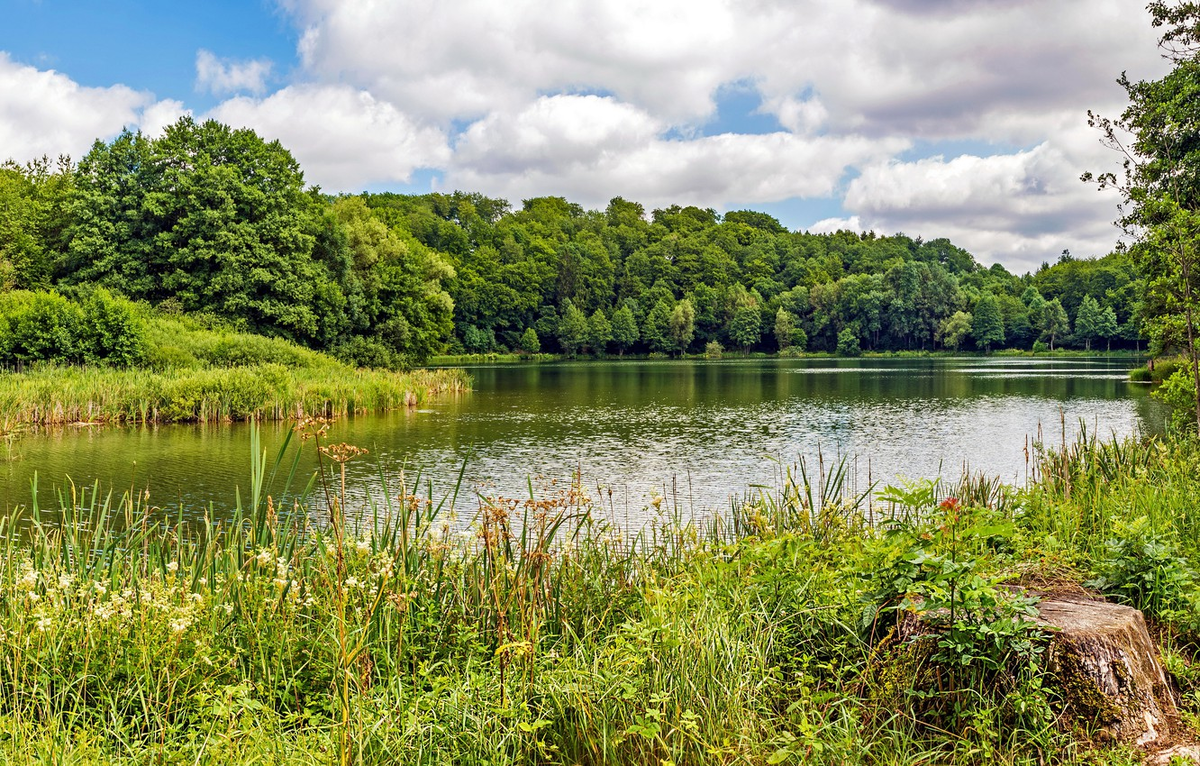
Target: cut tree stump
column 1110, row 672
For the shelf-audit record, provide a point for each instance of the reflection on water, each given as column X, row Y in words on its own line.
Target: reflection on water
column 697, row 431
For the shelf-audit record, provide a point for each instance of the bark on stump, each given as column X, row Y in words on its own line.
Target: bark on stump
column 1109, row 670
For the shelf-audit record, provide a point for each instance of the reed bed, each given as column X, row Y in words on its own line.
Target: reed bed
column 55, row 395
column 540, row 634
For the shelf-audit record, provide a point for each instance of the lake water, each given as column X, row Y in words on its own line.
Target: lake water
column 696, row 432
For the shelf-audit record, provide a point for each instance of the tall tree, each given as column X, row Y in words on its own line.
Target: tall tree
column 1087, row 321
column 1160, row 184
column 987, row 325
column 1054, row 321
column 683, row 325
column 625, row 330
column 214, row 217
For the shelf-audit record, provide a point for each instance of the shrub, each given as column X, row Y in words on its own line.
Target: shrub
column 713, row 350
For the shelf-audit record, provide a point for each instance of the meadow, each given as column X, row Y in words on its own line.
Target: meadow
column 491, row 630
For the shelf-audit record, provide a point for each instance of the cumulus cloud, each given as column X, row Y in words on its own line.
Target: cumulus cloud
column 591, row 149
column 1018, row 208
column 46, row 112
column 343, row 138
column 223, row 76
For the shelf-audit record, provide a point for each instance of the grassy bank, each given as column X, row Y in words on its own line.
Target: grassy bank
column 184, row 370
column 58, row 395
column 543, row 636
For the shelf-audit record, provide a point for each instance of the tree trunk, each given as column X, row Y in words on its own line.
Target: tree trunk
column 1109, row 671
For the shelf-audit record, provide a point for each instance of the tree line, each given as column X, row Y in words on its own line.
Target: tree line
column 214, row 221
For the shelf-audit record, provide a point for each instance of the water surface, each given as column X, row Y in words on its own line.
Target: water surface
column 697, row 432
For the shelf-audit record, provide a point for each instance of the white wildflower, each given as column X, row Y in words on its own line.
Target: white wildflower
column 43, row 624
column 66, row 581
column 180, row 625
column 265, row 557
column 195, row 598
column 173, row 567
column 28, row 579
column 352, row 582
column 363, row 547
column 33, row 596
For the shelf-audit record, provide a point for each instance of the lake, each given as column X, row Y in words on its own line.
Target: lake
column 696, row 432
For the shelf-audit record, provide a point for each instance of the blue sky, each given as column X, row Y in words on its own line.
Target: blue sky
column 958, row 120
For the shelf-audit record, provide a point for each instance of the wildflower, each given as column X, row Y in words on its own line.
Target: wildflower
column 180, row 625
column 43, row 624
column 352, row 582
column 65, row 581
column 265, row 557
column 173, row 567
column 33, row 596
column 195, row 598
column 363, row 547
column 203, row 581
column 228, row 608
column 28, row 579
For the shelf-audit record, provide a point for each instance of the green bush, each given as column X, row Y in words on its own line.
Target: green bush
column 1147, row 571
column 45, row 326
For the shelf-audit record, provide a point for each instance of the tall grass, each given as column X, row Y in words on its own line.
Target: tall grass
column 396, row 633
column 57, row 394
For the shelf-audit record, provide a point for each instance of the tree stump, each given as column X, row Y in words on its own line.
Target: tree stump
column 1109, row 671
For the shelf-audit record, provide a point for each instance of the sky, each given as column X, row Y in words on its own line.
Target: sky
column 964, row 119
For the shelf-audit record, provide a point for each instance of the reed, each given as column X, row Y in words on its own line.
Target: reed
column 62, row 395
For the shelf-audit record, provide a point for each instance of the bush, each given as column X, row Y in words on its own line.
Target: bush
column 847, row 343
column 713, row 350
column 368, row 352
column 1040, row 347
column 48, row 327
column 1146, row 571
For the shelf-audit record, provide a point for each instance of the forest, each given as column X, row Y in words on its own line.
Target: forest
column 218, row 224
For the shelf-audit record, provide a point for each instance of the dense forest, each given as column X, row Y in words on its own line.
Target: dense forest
column 217, row 223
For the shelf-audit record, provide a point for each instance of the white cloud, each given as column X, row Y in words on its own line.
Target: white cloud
column 156, row 117
column 591, row 149
column 46, row 112
column 222, row 76
column 343, row 138
column 1019, row 208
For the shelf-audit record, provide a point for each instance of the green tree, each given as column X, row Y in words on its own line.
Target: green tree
column 683, row 325
column 600, row 332
column 1054, row 321
column 1107, row 328
column 625, row 330
column 1087, row 321
column 847, row 342
column 656, row 330
column 572, row 329
column 529, row 341
column 785, row 327
column 214, row 217
column 745, row 328
column 987, row 324
column 393, row 291
column 1160, row 186
column 955, row 329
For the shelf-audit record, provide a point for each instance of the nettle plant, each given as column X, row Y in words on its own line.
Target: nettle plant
column 932, row 571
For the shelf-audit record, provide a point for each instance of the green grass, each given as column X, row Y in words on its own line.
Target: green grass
column 191, row 372
column 538, row 634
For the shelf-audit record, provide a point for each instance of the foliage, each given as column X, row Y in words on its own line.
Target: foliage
column 48, row 327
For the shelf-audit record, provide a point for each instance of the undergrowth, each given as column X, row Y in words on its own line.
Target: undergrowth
column 797, row 628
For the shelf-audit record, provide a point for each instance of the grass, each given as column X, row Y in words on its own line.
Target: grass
column 55, row 394
column 536, row 633
column 191, row 372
